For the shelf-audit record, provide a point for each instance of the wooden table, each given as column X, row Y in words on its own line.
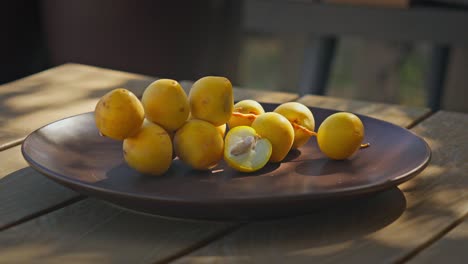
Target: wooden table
column 43, row 222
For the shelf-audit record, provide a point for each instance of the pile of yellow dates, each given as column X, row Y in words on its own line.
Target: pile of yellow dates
column 167, row 123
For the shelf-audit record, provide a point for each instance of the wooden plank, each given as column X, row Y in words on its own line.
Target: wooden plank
column 24, row 192
column 71, row 89
column 441, row 25
column 449, row 249
column 373, row 230
column 397, row 114
column 91, row 231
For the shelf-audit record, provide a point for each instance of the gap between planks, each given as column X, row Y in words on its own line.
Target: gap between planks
column 420, row 119
column 43, row 212
column 436, row 238
column 204, row 242
column 12, row 143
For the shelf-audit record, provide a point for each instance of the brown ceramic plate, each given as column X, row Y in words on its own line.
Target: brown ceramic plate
column 71, row 152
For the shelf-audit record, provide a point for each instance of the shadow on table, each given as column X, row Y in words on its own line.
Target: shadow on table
column 321, row 236
column 345, row 219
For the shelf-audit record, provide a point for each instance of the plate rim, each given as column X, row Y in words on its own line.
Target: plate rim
column 349, row 191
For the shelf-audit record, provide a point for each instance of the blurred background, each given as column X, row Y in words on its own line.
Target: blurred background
column 394, row 51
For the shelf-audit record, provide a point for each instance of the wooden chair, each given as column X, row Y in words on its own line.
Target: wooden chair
column 441, row 26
